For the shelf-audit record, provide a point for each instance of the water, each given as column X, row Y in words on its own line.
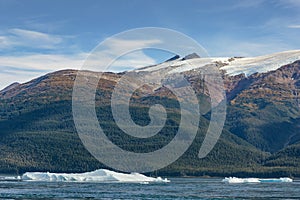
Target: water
column 179, row 188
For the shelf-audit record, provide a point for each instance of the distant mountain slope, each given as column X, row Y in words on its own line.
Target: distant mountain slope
column 288, row 157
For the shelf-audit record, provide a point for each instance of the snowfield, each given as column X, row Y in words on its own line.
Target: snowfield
column 261, row 64
column 232, row 66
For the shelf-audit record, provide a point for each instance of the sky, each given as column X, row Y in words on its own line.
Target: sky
column 38, row 37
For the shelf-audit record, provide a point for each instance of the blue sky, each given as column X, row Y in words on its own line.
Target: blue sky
column 37, row 36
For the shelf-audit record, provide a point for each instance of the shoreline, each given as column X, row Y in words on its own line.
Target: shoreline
column 176, row 175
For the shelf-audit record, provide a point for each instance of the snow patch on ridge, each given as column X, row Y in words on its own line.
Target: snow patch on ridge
column 188, row 65
column 178, row 66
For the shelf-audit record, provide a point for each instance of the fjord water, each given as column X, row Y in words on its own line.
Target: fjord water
column 178, row 188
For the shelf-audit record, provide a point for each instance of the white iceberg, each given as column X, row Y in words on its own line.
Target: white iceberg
column 100, row 175
column 10, row 178
column 240, row 180
column 256, row 180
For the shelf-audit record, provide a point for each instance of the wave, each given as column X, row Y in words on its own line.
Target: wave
column 257, row 180
column 100, row 175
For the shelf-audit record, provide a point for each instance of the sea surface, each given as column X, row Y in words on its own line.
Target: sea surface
column 178, row 188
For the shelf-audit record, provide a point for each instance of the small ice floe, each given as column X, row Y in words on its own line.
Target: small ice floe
column 256, row 180
column 10, row 178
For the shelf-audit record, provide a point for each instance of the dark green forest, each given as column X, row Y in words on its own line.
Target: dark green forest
column 260, row 137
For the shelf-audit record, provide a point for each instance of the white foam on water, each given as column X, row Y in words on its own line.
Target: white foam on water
column 100, row 175
column 256, row 180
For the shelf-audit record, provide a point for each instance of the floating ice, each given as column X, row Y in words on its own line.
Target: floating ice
column 10, row 178
column 100, row 175
column 256, row 180
column 276, row 180
column 241, row 180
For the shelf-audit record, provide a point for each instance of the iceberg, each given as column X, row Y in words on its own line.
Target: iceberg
column 240, row 180
column 256, row 180
column 10, row 178
column 277, row 180
column 100, row 175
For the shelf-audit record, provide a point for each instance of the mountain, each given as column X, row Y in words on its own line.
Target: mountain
column 173, row 58
column 260, row 136
column 267, row 106
column 38, row 133
column 262, row 95
column 11, row 86
column 190, row 56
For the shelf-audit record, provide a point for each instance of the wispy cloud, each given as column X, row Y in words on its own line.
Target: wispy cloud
column 26, row 67
column 5, row 42
column 16, row 37
column 294, row 26
column 132, row 60
column 25, row 55
column 289, row 3
column 47, row 62
column 22, row 68
column 15, row 70
column 45, row 40
column 112, row 52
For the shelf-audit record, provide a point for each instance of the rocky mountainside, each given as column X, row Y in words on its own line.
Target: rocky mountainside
column 268, row 108
column 262, row 95
column 261, row 134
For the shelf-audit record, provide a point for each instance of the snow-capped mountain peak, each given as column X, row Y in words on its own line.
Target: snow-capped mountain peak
column 232, row 66
column 261, row 64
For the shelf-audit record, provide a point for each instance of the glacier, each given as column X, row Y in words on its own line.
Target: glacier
column 100, row 175
column 261, row 64
column 256, row 180
column 231, row 65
